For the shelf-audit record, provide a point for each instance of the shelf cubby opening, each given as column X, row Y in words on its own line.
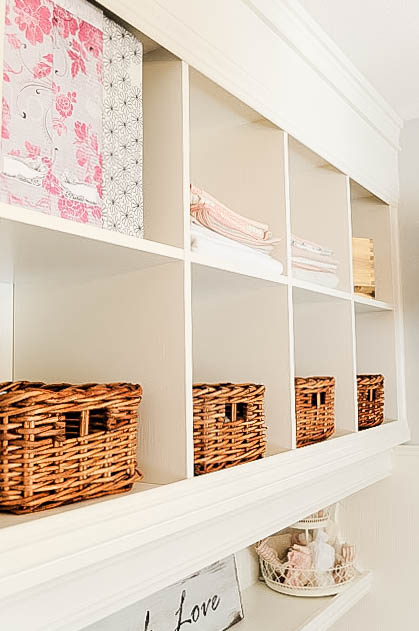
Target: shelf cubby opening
column 376, row 354
column 237, row 157
column 319, row 206
column 128, row 328
column 371, row 220
column 323, row 346
column 240, row 334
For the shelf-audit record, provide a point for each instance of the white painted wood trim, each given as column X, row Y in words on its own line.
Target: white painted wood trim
column 172, row 532
column 289, row 293
column 29, row 217
column 6, row 332
column 72, row 540
column 351, row 284
column 279, row 613
column 289, row 19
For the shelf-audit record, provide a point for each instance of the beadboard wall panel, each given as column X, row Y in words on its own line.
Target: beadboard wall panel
column 382, row 521
column 271, row 56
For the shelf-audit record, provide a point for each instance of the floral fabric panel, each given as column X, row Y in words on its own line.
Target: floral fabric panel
column 27, row 151
column 123, row 131
column 60, row 105
column 76, row 118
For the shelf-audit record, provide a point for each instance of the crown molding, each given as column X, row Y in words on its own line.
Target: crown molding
column 289, row 20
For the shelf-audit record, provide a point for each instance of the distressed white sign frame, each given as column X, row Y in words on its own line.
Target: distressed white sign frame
column 208, row 600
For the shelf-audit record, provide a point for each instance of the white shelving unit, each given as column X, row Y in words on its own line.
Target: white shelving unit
column 82, row 304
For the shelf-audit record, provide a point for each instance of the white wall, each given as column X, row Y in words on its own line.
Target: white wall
column 409, row 249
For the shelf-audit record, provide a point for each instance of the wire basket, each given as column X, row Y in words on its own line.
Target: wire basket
column 320, row 519
column 284, row 578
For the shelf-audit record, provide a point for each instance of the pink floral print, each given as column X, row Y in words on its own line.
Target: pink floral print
column 77, row 55
column 51, row 138
column 64, row 103
column 65, row 22
column 34, row 19
column 91, row 38
column 44, row 67
column 5, row 120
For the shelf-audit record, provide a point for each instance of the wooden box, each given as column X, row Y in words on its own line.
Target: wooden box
column 363, row 266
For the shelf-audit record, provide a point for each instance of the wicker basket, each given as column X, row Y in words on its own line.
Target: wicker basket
column 64, row 443
column 314, row 409
column 229, row 426
column 370, row 400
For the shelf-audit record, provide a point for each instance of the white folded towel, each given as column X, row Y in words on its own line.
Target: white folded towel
column 209, row 243
column 315, row 264
column 326, row 279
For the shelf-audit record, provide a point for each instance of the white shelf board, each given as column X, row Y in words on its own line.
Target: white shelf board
column 240, row 268
column 36, row 246
column 367, row 305
column 9, row 520
column 270, row 611
column 317, row 292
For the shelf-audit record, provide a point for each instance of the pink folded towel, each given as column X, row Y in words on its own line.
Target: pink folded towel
column 212, row 214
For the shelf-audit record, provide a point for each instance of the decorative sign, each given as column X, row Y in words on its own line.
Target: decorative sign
column 208, row 600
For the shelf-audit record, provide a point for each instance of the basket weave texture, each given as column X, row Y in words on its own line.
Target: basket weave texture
column 370, row 400
column 229, row 425
column 64, row 443
column 314, row 409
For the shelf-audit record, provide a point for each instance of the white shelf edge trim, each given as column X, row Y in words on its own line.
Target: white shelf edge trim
column 243, row 269
column 70, row 541
column 34, row 219
column 373, row 303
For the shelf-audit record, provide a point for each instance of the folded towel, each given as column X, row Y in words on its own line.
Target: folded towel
column 317, row 278
column 227, row 251
column 307, row 263
column 313, row 256
column 200, row 232
column 310, row 246
column 211, row 214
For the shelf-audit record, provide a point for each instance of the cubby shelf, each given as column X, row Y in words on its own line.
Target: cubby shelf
column 85, row 304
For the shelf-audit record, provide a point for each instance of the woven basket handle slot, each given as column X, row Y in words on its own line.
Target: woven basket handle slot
column 372, row 394
column 318, row 399
column 233, row 411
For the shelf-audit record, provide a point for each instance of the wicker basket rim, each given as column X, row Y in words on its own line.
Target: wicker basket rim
column 315, row 378
column 228, row 384
column 9, row 390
